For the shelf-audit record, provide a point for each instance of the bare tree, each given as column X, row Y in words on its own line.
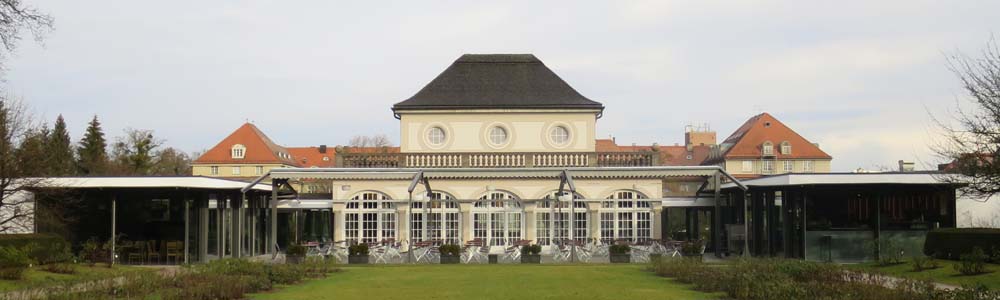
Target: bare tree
column 16, row 201
column 135, row 152
column 15, row 17
column 971, row 139
column 374, row 141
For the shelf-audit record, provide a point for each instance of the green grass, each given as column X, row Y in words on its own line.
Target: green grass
column 946, row 273
column 490, row 282
column 35, row 277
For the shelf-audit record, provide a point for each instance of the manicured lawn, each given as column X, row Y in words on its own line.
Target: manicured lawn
column 945, row 274
column 490, row 282
column 35, row 277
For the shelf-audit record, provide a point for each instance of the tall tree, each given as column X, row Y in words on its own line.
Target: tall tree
column 16, row 207
column 60, row 150
column 971, row 139
column 92, row 152
column 172, row 162
column 135, row 152
column 33, row 153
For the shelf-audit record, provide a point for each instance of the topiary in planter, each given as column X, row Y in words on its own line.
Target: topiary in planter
column 450, row 254
column 358, row 254
column 619, row 254
column 295, row 254
column 530, row 254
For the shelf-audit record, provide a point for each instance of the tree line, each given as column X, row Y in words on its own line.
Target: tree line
column 41, row 151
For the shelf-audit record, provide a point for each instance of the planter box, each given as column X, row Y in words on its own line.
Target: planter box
column 620, row 258
column 357, row 260
column 294, row 259
column 531, row 259
column 451, row 259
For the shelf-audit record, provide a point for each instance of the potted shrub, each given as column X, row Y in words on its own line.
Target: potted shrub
column 531, row 254
column 620, row 254
column 693, row 249
column 295, row 254
column 450, row 254
column 358, row 254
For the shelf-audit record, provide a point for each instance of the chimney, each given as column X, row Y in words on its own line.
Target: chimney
column 322, row 148
column 905, row 166
column 699, row 135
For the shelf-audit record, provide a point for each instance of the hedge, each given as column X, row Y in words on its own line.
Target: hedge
column 44, row 248
column 950, row 243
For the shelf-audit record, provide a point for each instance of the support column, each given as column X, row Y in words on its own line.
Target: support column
column 465, row 210
column 338, row 221
column 594, row 221
column 114, row 225
column 530, row 223
column 187, row 228
column 203, row 229
column 236, row 233
column 717, row 217
column 657, row 219
column 273, row 222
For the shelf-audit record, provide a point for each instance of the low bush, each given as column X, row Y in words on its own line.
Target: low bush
column 889, row 252
column 94, row 251
column 951, row 243
column 758, row 279
column 972, row 263
column 60, row 268
column 450, row 250
column 921, row 263
column 619, row 249
column 358, row 250
column 296, row 250
column 14, row 262
column 692, row 248
column 41, row 248
column 531, row 249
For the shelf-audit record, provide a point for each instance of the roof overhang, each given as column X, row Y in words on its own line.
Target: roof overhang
column 497, row 173
column 146, row 182
column 846, row 179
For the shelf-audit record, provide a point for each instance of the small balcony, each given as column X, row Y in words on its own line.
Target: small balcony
column 346, row 159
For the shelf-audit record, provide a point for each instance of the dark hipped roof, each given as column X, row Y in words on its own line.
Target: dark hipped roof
column 477, row 81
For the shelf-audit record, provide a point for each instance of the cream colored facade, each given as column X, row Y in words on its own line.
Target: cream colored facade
column 757, row 166
column 469, row 130
column 249, row 171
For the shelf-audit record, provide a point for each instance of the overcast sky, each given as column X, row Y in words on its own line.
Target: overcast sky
column 862, row 79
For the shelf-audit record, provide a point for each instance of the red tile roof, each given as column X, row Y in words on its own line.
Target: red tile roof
column 259, row 149
column 308, row 157
column 747, row 141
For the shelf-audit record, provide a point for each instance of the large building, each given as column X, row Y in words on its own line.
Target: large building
column 765, row 146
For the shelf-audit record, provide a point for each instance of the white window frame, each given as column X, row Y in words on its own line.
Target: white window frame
column 625, row 214
column 370, row 217
column 498, row 132
column 786, row 148
column 238, row 151
column 767, row 148
column 747, row 166
column 553, row 218
column 767, row 167
column 237, row 170
column 444, row 219
column 807, row 166
column 436, row 136
column 498, row 218
column 214, row 170
column 259, row 170
column 559, row 135
column 788, row 166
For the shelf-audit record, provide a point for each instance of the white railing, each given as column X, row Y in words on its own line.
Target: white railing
column 433, row 160
column 561, row 160
column 496, row 160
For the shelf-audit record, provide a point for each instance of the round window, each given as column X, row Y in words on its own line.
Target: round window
column 560, row 135
column 498, row 135
column 436, row 136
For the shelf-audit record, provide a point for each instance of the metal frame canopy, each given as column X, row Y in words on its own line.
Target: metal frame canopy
column 140, row 182
column 493, row 173
column 923, row 178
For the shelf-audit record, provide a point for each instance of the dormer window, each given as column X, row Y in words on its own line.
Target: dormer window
column 768, row 148
column 786, row 148
column 238, row 151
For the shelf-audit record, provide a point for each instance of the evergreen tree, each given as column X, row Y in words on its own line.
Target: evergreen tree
column 33, row 155
column 60, row 150
column 135, row 153
column 92, row 152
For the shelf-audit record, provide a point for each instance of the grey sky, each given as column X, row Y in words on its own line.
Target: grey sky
column 858, row 77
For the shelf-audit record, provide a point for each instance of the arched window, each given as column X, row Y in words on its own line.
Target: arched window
column 786, row 148
column 443, row 219
column 498, row 218
column 768, row 148
column 238, row 151
column 554, row 217
column 626, row 216
column 370, row 217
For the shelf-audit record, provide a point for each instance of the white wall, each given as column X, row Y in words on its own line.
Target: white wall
column 23, row 225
